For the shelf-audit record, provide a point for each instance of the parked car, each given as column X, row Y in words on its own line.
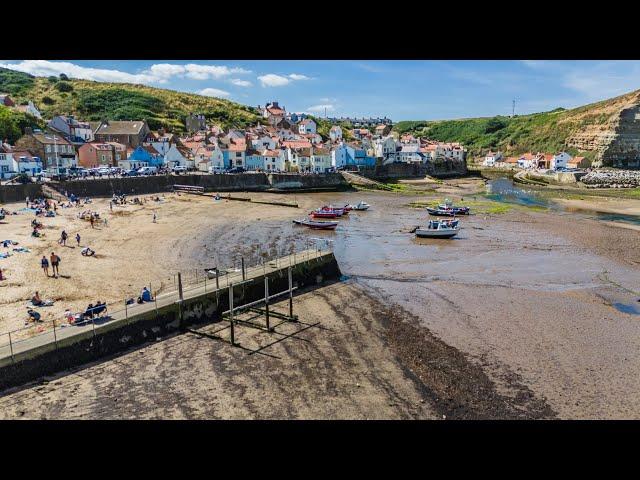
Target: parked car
column 179, row 169
column 216, row 169
column 130, row 173
column 148, row 170
column 236, row 170
column 104, row 171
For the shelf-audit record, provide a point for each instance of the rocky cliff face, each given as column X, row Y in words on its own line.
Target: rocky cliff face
column 611, row 130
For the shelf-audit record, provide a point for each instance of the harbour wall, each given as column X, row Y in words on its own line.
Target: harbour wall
column 18, row 193
column 438, row 169
column 242, row 182
column 120, row 335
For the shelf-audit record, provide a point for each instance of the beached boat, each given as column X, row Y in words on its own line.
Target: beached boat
column 324, row 214
column 339, row 211
column 448, row 209
column 318, row 225
column 438, row 212
column 437, row 229
column 446, row 222
column 456, row 210
column 360, row 206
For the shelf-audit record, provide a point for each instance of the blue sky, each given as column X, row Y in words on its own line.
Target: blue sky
column 401, row 90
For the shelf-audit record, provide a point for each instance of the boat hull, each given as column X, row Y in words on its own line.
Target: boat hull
column 317, row 225
column 432, row 233
column 440, row 213
column 324, row 214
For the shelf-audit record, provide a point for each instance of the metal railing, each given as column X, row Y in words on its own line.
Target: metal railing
column 164, row 291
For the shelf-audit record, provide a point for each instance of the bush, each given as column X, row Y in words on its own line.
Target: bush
column 63, row 87
column 48, row 100
column 53, row 79
column 63, row 77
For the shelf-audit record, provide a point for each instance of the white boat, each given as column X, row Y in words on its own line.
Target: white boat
column 436, row 229
column 360, row 206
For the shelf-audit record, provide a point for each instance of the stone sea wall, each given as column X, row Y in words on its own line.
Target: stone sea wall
column 612, row 179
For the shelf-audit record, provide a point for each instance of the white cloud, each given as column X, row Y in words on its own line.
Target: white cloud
column 159, row 73
column 206, row 72
column 45, row 68
column 321, row 108
column 213, row 92
column 241, row 83
column 273, row 80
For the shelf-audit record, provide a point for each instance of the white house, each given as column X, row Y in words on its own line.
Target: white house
column 335, row 133
column 320, row 160
column 72, row 129
column 27, row 163
column 8, row 165
column 263, row 142
column 385, row 148
column 299, row 158
column 560, row 160
column 274, row 160
column 307, row 126
column 491, row 158
column 410, row 153
column 339, row 156
column 30, row 109
column 132, row 164
column 178, row 156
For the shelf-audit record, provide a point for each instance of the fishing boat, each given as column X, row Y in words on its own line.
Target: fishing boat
column 437, row 229
column 338, row 210
column 324, row 214
column 439, row 212
column 317, row 225
column 360, row 206
column 447, row 209
column 446, row 222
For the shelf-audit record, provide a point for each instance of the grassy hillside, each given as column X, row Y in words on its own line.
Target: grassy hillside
column 13, row 123
column 118, row 101
column 545, row 132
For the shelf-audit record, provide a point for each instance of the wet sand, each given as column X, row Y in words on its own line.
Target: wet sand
column 518, row 309
column 603, row 204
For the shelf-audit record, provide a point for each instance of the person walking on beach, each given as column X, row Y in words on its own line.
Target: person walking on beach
column 55, row 262
column 44, row 263
column 27, row 200
column 78, row 238
column 63, row 238
column 91, row 220
column 111, row 205
column 154, row 217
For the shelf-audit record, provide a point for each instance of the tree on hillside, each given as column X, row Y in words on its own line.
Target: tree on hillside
column 63, row 77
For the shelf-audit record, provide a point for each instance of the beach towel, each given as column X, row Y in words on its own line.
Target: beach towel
column 5, row 255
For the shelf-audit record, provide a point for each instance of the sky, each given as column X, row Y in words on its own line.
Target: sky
column 400, row 90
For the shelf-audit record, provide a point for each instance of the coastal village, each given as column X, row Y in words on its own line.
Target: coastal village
column 284, row 142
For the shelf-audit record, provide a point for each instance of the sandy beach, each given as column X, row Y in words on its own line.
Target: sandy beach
column 526, row 314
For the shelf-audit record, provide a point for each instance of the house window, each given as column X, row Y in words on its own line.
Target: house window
column 48, row 148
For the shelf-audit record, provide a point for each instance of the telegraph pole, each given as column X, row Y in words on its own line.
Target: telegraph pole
column 513, row 108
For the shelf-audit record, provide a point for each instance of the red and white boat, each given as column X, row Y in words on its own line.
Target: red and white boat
column 317, row 225
column 338, row 211
column 324, row 214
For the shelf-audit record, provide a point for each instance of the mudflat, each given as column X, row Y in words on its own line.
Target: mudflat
column 526, row 314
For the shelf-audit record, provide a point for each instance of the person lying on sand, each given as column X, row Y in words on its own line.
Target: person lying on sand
column 87, row 252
